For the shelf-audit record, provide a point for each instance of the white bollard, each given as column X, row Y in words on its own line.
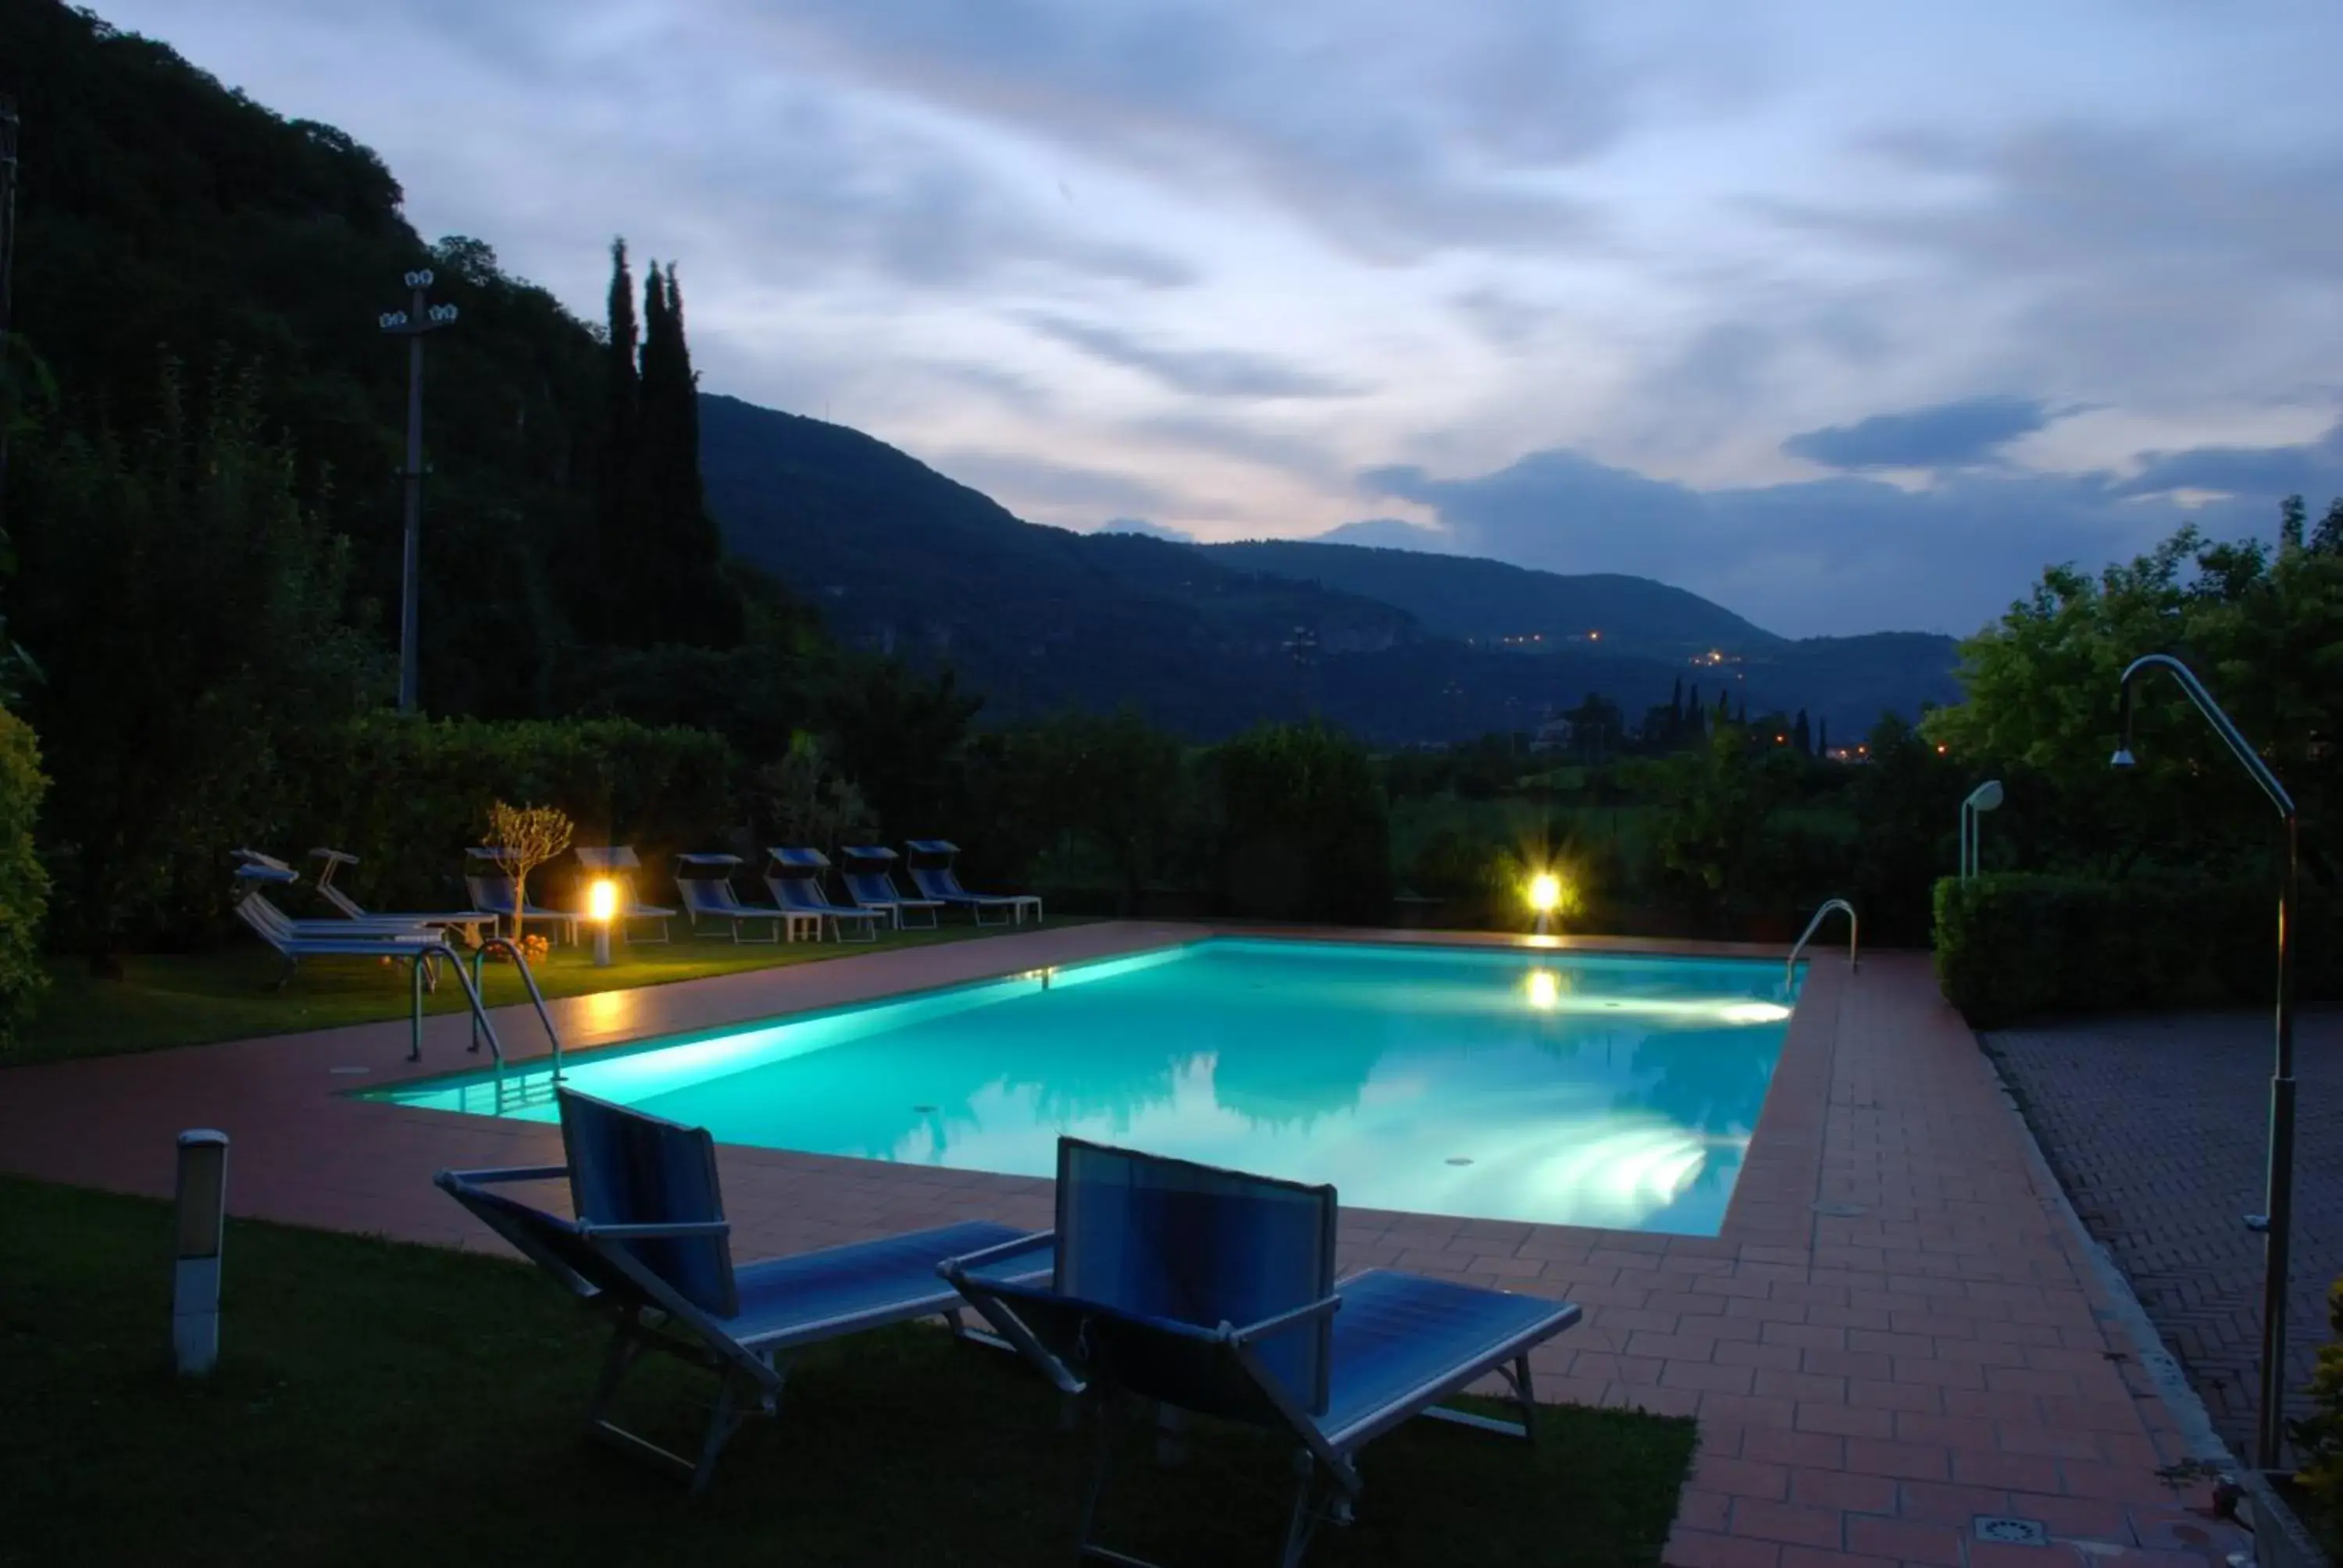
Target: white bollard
column 202, row 1213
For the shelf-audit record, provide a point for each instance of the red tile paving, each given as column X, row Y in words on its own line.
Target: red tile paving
column 1896, row 1332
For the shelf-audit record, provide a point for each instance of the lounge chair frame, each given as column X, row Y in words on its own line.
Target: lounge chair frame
column 1050, row 1329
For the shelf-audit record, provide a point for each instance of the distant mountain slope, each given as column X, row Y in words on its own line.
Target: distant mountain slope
column 1479, row 600
column 1209, row 640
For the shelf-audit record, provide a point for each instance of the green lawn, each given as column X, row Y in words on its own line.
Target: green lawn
column 166, row 999
column 378, row 1402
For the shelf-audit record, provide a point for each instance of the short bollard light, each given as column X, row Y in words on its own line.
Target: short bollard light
column 202, row 1210
column 1545, row 896
column 602, row 907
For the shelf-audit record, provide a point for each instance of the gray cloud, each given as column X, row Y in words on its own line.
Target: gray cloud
column 1019, row 478
column 1949, row 435
column 1201, row 372
column 1836, row 556
column 2313, row 469
column 1392, row 141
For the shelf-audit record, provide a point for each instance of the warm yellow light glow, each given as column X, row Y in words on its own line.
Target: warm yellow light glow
column 1546, row 989
column 602, row 900
column 1545, row 892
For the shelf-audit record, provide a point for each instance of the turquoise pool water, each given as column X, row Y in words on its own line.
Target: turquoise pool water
column 1556, row 1088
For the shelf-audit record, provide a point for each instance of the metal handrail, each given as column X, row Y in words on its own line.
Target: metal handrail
column 537, row 998
column 1790, row 968
column 425, row 963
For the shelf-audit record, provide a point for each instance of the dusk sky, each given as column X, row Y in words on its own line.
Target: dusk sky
column 1847, row 316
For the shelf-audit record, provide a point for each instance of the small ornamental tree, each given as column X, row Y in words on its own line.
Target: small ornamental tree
column 525, row 837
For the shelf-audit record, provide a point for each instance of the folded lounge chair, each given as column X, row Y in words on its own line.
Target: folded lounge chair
column 1213, row 1291
column 931, row 873
column 468, row 921
column 491, row 888
column 617, row 861
column 650, row 1246
column 295, row 940
column 869, row 875
column 795, row 878
column 706, row 883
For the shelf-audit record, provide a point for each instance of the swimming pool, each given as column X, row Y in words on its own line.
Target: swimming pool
column 1559, row 1087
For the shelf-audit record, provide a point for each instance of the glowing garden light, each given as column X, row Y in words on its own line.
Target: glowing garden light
column 1545, row 896
column 602, row 907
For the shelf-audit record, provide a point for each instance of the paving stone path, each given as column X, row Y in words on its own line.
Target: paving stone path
column 2157, row 1128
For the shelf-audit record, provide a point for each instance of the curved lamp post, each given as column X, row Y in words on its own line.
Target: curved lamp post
column 2277, row 1224
column 1984, row 797
column 412, row 324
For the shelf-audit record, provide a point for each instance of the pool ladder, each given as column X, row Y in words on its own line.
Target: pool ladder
column 426, row 964
column 1790, row 968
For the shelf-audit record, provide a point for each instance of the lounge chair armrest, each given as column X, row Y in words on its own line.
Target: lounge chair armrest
column 594, row 1232
column 510, row 1173
column 956, row 1269
column 1268, row 1327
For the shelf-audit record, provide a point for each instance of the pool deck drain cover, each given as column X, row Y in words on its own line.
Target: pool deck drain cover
column 1460, row 1160
column 2013, row 1531
column 923, row 1110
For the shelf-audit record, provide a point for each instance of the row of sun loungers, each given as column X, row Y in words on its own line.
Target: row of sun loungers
column 793, row 877
column 1201, row 1289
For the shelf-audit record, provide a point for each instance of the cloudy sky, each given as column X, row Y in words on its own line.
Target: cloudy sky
column 1847, row 315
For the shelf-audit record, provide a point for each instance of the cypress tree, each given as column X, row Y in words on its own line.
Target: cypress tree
column 1801, row 736
column 2328, row 539
column 1675, row 699
column 1821, row 738
column 2291, row 513
column 684, row 597
column 610, row 560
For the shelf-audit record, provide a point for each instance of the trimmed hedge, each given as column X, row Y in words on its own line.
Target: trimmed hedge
column 408, row 796
column 2014, row 947
column 23, row 882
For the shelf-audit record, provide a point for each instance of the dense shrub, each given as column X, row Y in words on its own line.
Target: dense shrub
column 2319, row 1437
column 24, row 884
column 408, row 796
column 1303, row 831
column 2011, row 947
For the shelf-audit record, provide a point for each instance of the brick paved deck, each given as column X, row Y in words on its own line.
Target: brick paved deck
column 1895, row 1333
column 2158, row 1129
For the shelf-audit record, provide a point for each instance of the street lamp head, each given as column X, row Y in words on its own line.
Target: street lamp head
column 2123, row 759
column 1986, row 796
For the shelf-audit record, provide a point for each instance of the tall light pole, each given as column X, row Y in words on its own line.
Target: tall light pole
column 7, row 259
column 412, row 324
column 2277, row 1223
column 1984, row 797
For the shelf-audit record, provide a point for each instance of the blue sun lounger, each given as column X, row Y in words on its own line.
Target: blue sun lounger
column 492, row 892
column 1213, row 1291
column 794, row 877
column 867, row 874
column 932, row 874
column 706, row 883
column 650, row 1246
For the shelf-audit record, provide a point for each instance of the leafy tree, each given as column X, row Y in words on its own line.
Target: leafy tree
column 1303, row 830
column 191, row 610
column 1117, row 780
column 1710, row 836
column 2264, row 633
column 524, row 838
column 2328, row 538
column 903, row 738
column 808, row 802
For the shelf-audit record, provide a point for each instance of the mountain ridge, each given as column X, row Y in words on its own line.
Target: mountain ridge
column 1209, row 638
